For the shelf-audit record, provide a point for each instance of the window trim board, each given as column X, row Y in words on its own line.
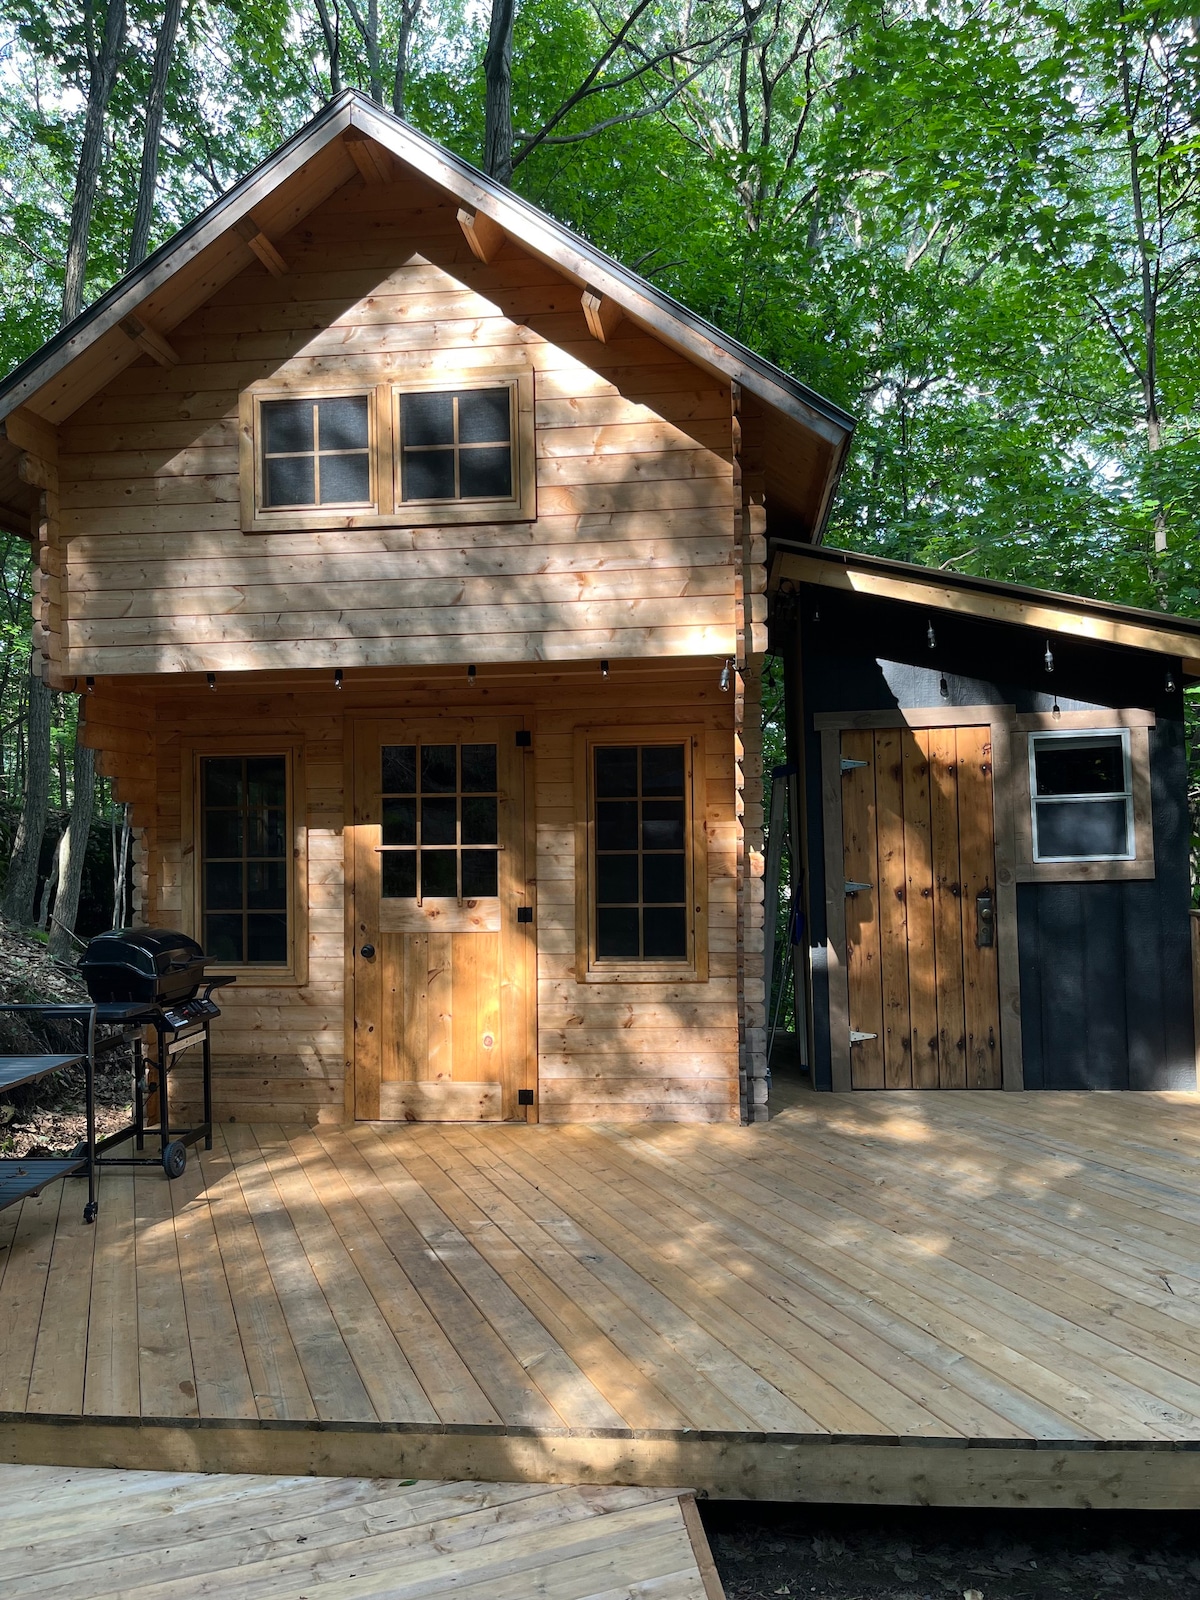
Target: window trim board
column 695, row 968
column 292, row 748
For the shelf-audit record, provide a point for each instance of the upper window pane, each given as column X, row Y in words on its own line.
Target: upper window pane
column 1080, row 766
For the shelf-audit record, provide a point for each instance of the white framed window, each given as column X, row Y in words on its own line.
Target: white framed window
column 1081, row 794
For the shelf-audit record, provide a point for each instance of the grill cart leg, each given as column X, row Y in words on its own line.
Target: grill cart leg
column 207, row 1071
column 139, row 1090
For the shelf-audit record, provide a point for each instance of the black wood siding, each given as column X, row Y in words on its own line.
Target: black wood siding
column 1105, row 968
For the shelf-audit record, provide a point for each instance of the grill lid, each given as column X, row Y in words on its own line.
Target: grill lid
column 149, row 952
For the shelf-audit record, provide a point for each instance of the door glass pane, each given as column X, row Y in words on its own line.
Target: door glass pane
column 399, row 875
column 617, row 880
column 617, row 825
column 439, row 876
column 221, row 780
column 479, row 874
column 479, row 819
column 617, row 931
column 662, row 770
column 616, row 772
column 663, row 879
column 662, row 825
column 664, row 931
column 439, row 821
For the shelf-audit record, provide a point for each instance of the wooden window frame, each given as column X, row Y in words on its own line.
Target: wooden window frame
column 589, row 968
column 387, row 508
column 521, row 505
column 1135, row 726
column 295, row 972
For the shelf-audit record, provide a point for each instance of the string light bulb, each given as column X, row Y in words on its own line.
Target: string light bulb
column 337, row 678
column 604, row 669
column 1170, row 684
column 1048, row 658
column 90, row 684
column 726, row 677
column 943, row 687
column 930, row 636
column 471, row 676
column 211, row 679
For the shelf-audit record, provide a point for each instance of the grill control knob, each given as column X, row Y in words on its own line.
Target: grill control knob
column 367, row 951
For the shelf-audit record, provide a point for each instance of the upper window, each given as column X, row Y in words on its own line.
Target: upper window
column 398, row 454
column 244, row 859
column 1082, row 796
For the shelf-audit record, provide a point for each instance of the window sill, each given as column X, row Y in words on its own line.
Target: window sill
column 258, row 977
column 645, row 972
column 1083, row 871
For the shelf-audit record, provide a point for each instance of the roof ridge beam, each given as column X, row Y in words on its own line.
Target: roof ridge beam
column 371, row 159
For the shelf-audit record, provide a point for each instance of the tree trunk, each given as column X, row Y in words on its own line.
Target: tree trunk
column 21, row 887
column 497, row 72
column 66, row 906
column 333, row 45
column 164, row 51
column 102, row 72
column 408, row 17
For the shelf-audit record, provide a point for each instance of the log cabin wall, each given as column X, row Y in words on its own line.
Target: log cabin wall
column 632, row 550
column 611, row 1051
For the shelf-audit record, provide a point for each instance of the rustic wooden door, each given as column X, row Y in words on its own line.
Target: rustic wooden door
column 918, row 846
column 441, row 958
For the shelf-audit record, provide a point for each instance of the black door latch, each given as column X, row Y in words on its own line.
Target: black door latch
column 985, row 919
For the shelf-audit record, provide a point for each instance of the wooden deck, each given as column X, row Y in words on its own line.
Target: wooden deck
column 956, row 1298
column 142, row 1535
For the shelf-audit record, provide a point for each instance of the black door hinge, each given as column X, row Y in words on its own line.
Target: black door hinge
column 524, row 738
column 524, row 1097
column 524, row 913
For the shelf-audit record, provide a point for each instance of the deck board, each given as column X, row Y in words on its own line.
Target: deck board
column 1017, row 1273
column 143, row 1535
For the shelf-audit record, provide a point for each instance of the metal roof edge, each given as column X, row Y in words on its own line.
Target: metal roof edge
column 1137, row 616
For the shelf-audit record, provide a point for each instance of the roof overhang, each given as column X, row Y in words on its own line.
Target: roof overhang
column 1099, row 621
column 191, row 266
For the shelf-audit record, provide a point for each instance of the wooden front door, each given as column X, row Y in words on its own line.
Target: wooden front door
column 918, row 847
column 441, row 960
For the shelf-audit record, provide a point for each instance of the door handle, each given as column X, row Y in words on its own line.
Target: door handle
column 985, row 919
column 367, row 951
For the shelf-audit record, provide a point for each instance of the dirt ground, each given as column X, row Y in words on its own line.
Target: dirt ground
column 868, row 1553
column 47, row 1118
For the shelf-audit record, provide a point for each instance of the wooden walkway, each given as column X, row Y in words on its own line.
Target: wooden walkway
column 972, row 1298
column 146, row 1535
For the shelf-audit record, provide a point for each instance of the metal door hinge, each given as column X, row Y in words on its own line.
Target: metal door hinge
column 524, row 913
column 524, row 1097
column 848, row 765
column 524, row 738
column 860, row 1038
column 853, row 888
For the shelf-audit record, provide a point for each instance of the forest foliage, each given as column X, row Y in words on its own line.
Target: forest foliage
column 976, row 226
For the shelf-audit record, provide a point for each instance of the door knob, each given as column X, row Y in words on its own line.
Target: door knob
column 367, row 951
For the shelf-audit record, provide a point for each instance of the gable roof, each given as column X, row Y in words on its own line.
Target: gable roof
column 990, row 599
column 185, row 271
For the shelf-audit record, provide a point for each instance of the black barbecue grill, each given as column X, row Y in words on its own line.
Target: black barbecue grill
column 152, row 980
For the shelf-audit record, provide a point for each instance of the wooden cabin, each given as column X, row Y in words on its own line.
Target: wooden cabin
column 410, row 556
column 994, row 837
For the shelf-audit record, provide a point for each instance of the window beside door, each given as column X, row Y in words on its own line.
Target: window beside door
column 641, row 877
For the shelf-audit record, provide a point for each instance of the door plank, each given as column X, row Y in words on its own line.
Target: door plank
column 414, row 971
column 947, row 908
column 464, row 1028
column 439, row 979
column 860, row 863
column 977, row 856
column 918, row 873
column 368, row 997
column 893, row 922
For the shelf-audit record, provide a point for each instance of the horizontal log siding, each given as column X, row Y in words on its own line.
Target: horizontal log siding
column 610, row 1052
column 632, row 551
